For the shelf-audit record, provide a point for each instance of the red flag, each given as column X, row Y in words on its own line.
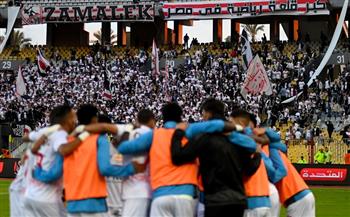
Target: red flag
column 42, row 63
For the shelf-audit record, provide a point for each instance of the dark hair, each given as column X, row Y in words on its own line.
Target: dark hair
column 240, row 113
column 214, row 106
column 59, row 113
column 103, row 118
column 171, row 112
column 144, row 116
column 86, row 113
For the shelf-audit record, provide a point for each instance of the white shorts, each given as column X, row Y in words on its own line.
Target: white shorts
column 16, row 204
column 136, row 207
column 304, row 207
column 173, row 206
column 275, row 201
column 200, row 209
column 258, row 212
column 37, row 208
column 100, row 214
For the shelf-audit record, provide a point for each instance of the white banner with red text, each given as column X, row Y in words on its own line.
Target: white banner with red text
column 242, row 8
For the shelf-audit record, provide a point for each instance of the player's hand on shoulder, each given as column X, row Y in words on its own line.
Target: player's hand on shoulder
column 139, row 167
column 182, row 126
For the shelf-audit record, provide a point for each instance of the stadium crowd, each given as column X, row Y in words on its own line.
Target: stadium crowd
column 207, row 72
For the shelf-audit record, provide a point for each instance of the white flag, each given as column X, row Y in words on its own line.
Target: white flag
column 256, row 81
column 155, row 59
column 20, row 84
column 247, row 54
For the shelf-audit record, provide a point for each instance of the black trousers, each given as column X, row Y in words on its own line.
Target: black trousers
column 224, row 211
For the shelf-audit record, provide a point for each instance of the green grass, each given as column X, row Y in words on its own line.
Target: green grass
column 330, row 202
column 4, row 198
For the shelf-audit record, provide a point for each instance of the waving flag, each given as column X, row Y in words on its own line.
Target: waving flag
column 256, row 81
column 107, row 94
column 43, row 63
column 155, row 59
column 247, row 54
column 20, row 84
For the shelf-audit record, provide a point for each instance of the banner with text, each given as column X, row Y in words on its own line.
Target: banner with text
column 242, row 8
column 56, row 14
column 324, row 174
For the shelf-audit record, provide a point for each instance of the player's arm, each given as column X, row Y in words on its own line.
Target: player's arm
column 243, row 141
column 53, row 174
column 141, row 144
column 107, row 169
column 100, row 128
column 38, row 143
column 43, row 137
column 181, row 154
column 268, row 165
column 280, row 170
column 211, row 126
column 25, row 138
column 68, row 147
column 262, row 139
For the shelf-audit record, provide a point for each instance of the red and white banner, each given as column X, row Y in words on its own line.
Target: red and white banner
column 324, row 174
column 256, row 81
column 242, row 8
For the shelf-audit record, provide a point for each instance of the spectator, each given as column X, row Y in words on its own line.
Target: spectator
column 328, row 155
column 330, row 129
column 186, row 39
column 298, row 134
column 302, row 160
column 320, row 156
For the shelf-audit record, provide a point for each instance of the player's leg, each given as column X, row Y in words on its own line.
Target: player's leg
column 16, row 204
column 275, row 201
column 136, row 207
column 163, row 206
column 184, row 205
column 103, row 214
column 200, row 209
column 303, row 207
column 258, row 212
column 42, row 209
column 114, row 200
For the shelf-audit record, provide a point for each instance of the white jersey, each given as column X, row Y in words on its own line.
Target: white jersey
column 137, row 186
column 36, row 190
column 19, row 183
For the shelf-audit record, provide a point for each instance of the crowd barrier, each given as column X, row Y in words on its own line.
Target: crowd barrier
column 325, row 174
column 308, row 149
column 9, row 167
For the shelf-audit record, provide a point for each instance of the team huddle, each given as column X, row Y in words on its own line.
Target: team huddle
column 218, row 167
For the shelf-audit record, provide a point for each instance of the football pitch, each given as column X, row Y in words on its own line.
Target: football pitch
column 330, row 202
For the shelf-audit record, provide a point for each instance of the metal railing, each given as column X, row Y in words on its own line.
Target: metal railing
column 308, row 149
